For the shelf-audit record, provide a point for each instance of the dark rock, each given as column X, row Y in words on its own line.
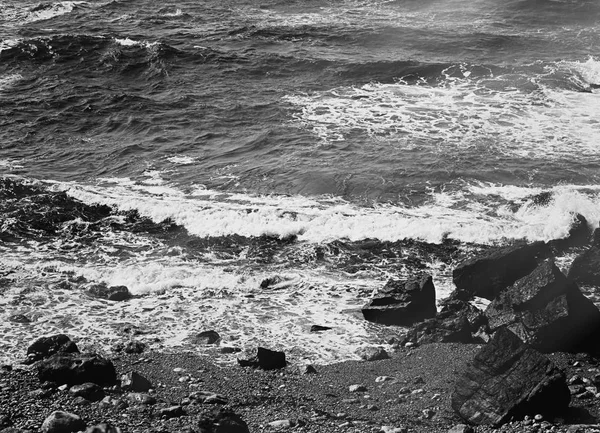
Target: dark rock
column 134, row 346
column 308, row 369
column 135, row 382
column 222, row 421
column 585, row 269
column 19, row 318
column 12, row 430
column 206, row 337
column 509, row 378
column 62, row 422
column 228, row 349
column 48, row 346
column 103, row 428
column 372, row 353
column 486, row 276
column 171, row 412
column 579, row 234
column 270, row 282
column 74, row 369
column 457, row 322
column 402, row 302
column 90, row 391
column 265, row 359
column 319, row 328
column 547, row 311
column 459, row 428
column 542, row 199
column 112, row 293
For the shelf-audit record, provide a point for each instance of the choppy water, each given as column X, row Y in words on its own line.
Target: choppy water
column 190, row 150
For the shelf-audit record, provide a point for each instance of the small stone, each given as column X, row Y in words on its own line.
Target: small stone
column 62, row 422
column 178, row 370
column 103, row 428
column 372, row 407
column 133, row 381
column 392, row 429
column 404, row 390
column 428, row 413
column 88, row 390
column 418, row 391
column 357, row 388
column 380, row 379
column 461, row 428
column 63, row 387
column 281, row 424
column 308, row 369
column 81, row 401
column 208, row 397
column 319, row 328
column 141, row 398
column 171, row 412
column 206, row 337
column 538, row 418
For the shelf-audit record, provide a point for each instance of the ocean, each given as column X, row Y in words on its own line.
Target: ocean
column 257, row 167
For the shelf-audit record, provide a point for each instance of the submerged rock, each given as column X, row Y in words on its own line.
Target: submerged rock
column 402, row 302
column 487, row 275
column 547, row 311
column 509, row 378
column 112, row 293
column 206, row 337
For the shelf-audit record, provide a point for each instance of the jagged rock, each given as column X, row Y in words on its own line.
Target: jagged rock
column 371, row 353
column 208, row 397
column 457, row 322
column 62, row 422
column 487, row 275
column 547, row 311
column 75, row 368
column 585, row 269
column 206, row 337
column 47, row 346
column 579, row 234
column 103, row 428
column 265, row 359
column 112, row 293
column 509, row 378
column 133, row 381
column 402, row 302
column 222, row 421
column 90, row 391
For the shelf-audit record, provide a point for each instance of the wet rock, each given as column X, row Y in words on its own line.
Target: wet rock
column 19, row 318
column 547, row 311
column 133, row 381
column 265, row 359
column 585, row 269
column 206, row 337
column 319, row 328
column 509, row 378
column 75, row 368
column 372, row 353
column 90, row 391
column 103, row 428
column 47, row 346
column 457, row 322
column 222, row 421
column 487, row 275
column 112, row 293
column 402, row 302
column 134, row 346
column 579, row 234
column 62, row 422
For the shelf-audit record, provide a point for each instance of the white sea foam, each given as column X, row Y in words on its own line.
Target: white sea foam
column 54, row 10
column 181, row 160
column 127, row 42
column 10, row 163
column 473, row 214
column 589, row 70
column 463, row 114
column 8, row 81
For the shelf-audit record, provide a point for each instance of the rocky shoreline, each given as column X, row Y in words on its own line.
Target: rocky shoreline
column 529, row 362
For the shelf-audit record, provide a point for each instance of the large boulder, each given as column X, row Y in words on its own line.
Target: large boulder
column 47, row 346
column 457, row 322
column 402, row 302
column 487, row 275
column 546, row 310
column 74, row 369
column 506, row 379
column 585, row 269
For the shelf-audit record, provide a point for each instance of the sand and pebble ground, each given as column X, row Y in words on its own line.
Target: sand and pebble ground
column 409, row 392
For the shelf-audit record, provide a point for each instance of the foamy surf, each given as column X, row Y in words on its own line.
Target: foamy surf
column 463, row 114
column 475, row 214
